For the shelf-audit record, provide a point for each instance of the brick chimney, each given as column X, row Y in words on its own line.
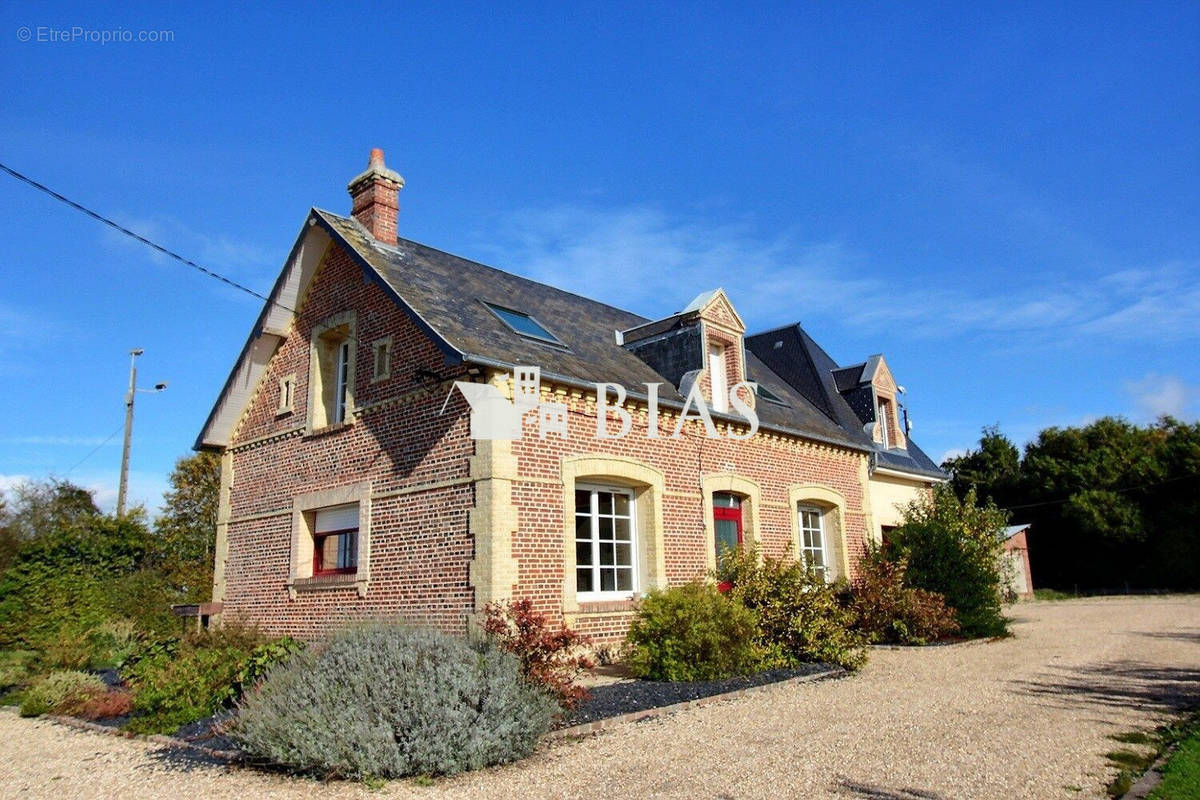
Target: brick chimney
column 376, row 197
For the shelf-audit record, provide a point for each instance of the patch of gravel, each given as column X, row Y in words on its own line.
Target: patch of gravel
column 615, row 699
column 1026, row 717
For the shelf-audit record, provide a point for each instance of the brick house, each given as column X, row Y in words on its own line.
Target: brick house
column 351, row 487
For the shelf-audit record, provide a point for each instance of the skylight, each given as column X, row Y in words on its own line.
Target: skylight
column 767, row 394
column 523, row 324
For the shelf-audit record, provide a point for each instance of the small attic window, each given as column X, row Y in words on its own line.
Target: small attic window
column 523, row 323
column 767, row 394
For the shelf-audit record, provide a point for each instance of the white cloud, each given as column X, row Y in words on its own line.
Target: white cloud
column 649, row 262
column 68, row 441
column 643, row 260
column 953, row 452
column 216, row 252
column 8, row 485
column 1158, row 395
column 145, row 489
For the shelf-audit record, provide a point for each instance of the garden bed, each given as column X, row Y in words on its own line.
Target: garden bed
column 617, row 699
column 604, row 702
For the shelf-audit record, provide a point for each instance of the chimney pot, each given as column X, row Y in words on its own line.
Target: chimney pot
column 375, row 195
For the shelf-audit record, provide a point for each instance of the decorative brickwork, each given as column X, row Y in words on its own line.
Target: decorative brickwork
column 333, row 429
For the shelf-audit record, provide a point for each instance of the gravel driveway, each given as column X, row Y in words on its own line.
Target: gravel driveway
column 1025, row 717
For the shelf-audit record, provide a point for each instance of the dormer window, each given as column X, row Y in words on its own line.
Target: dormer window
column 523, row 324
column 885, row 422
column 716, row 377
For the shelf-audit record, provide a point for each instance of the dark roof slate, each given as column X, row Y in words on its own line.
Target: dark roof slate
column 793, row 354
column 445, row 293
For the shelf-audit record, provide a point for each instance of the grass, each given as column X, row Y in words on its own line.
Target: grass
column 1052, row 594
column 1183, row 766
column 1181, row 775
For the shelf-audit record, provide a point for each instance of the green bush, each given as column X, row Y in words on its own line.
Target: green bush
column 691, row 633
column 62, row 692
column 112, row 644
column 889, row 611
column 798, row 617
column 953, row 547
column 177, row 681
column 75, row 578
column 383, row 701
column 17, row 668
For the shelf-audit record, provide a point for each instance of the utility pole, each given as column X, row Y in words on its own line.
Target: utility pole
column 129, row 396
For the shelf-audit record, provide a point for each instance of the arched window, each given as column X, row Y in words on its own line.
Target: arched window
column 613, row 533
column 727, row 524
column 818, row 520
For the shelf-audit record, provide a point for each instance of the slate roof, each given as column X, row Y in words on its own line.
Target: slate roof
column 445, row 293
column 790, row 352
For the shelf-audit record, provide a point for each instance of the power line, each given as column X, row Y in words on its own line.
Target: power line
column 97, row 447
column 149, row 243
column 1123, row 489
column 122, row 229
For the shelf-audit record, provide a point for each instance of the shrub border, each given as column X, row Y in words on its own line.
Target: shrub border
column 589, row 728
column 574, row 732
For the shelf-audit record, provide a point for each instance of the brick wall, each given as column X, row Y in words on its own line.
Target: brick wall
column 775, row 463
column 420, row 547
column 418, row 464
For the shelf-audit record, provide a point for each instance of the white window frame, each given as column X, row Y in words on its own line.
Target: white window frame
column 824, row 569
column 333, row 354
column 341, row 381
column 885, row 433
column 717, row 378
column 597, row 595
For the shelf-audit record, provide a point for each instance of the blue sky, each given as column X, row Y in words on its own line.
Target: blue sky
column 1002, row 199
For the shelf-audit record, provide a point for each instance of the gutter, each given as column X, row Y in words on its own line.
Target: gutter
column 674, row 405
column 896, row 473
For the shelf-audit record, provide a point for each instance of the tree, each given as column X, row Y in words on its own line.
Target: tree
column 1085, row 492
column 188, row 523
column 45, row 506
column 187, row 528
column 993, row 471
column 41, row 508
column 953, row 547
column 77, row 576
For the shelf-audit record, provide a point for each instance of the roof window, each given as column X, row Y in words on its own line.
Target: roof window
column 523, row 324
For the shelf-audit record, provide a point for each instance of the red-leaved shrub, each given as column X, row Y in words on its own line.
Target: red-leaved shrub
column 889, row 611
column 550, row 658
column 113, row 703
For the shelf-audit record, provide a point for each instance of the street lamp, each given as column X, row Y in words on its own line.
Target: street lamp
column 129, row 396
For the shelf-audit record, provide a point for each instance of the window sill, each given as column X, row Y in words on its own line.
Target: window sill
column 333, row 580
column 613, row 606
column 284, row 412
